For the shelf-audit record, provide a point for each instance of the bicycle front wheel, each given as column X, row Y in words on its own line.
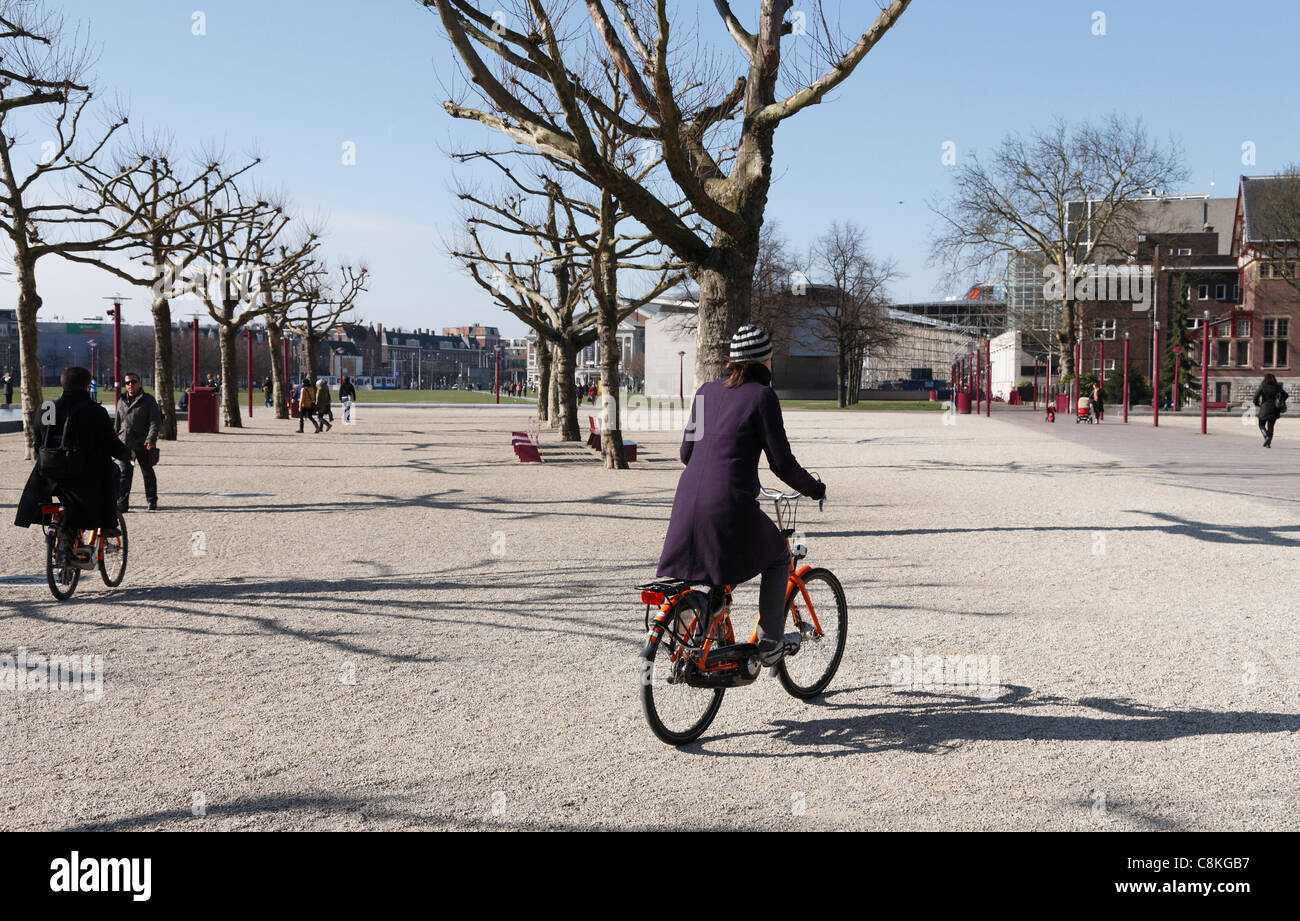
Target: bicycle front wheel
column 807, row 673
column 112, row 556
column 59, row 571
column 677, row 713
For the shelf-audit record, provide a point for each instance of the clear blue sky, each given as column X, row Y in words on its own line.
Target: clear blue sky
column 295, row 80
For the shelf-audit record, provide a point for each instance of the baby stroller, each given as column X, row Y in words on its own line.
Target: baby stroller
column 1083, row 411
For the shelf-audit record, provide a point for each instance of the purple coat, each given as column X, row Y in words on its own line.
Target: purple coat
column 718, row 534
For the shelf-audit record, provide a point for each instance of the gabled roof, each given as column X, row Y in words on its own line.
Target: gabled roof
column 1259, row 196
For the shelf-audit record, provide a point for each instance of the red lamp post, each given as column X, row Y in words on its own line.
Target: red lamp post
column 681, row 379
column 194, row 363
column 1155, row 374
column 117, row 351
column 496, row 375
column 988, row 377
column 978, row 380
column 1125, row 376
column 1205, row 366
column 250, row 372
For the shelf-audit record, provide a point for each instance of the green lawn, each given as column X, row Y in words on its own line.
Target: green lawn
column 868, row 405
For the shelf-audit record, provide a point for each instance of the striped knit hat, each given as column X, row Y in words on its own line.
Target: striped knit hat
column 750, row 344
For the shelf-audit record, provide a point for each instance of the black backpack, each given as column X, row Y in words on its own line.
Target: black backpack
column 60, row 459
column 1279, row 400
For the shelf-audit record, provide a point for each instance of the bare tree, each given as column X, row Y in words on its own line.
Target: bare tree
column 714, row 131
column 1059, row 197
column 847, row 314
column 318, row 298
column 1274, row 231
column 164, row 204
column 245, row 262
column 42, row 70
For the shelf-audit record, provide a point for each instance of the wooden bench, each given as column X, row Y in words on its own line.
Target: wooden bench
column 1223, row 404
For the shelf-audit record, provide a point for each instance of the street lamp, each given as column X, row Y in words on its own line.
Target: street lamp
column 1126, row 375
column 681, row 378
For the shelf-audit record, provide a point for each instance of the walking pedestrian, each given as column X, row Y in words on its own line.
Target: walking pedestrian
column 9, row 389
column 136, row 421
column 307, row 404
column 347, row 393
column 1270, row 397
column 267, row 389
column 323, row 406
column 1098, row 407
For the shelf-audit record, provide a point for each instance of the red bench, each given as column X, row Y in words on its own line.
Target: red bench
column 593, row 440
column 525, row 450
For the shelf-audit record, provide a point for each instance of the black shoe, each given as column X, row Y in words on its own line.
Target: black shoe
column 772, row 651
column 123, row 507
column 153, row 505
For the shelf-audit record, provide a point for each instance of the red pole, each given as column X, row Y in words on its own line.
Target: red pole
column 1126, row 377
column 250, row 372
column 1155, row 375
column 496, row 377
column 988, row 377
column 977, row 379
column 1101, row 371
column 117, row 352
column 1205, row 366
column 1035, row 382
column 1078, row 370
column 194, row 364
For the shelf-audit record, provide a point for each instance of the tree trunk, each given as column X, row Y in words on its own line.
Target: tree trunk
column 1066, row 336
column 611, row 435
column 279, row 384
column 725, row 291
column 310, row 343
column 567, row 365
column 230, row 416
column 543, row 380
column 553, row 394
column 164, row 367
column 29, row 302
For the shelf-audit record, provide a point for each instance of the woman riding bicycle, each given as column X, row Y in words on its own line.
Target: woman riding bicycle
column 718, row 534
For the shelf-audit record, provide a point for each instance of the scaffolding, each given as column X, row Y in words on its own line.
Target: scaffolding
column 929, row 337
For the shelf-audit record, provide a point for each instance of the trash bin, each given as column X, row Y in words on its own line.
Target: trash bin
column 1062, row 402
column 203, row 410
column 934, row 396
column 963, row 403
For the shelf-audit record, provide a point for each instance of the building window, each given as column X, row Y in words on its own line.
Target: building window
column 1243, row 353
column 1236, row 294
column 1277, row 270
column 1221, row 356
column 1276, row 331
column 1103, row 329
column 1243, row 327
column 1186, row 251
column 1203, row 292
column 1220, row 292
column 1110, row 365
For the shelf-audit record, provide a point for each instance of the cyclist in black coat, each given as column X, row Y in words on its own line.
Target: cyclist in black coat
column 89, row 501
column 1266, row 399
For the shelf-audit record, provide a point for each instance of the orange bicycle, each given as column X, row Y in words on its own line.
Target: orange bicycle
column 69, row 550
column 691, row 656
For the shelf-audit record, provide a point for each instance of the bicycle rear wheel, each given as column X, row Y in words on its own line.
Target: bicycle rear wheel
column 59, row 571
column 112, row 556
column 807, row 673
column 677, row 713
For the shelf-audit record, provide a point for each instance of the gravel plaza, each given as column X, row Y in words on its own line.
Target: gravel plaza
column 397, row 625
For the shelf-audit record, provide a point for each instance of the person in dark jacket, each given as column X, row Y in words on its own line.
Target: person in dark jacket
column 347, row 395
column 136, row 422
column 1098, row 404
column 9, row 389
column 1266, row 398
column 89, row 501
column 717, row 533
column 267, row 390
